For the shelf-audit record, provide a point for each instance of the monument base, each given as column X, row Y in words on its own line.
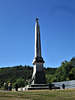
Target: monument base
column 37, row 87
column 38, row 82
column 39, row 78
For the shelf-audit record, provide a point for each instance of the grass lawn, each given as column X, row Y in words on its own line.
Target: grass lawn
column 39, row 95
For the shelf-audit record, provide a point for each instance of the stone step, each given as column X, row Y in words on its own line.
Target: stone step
column 36, row 88
column 39, row 85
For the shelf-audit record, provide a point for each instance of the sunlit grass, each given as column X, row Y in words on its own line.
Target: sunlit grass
column 39, row 95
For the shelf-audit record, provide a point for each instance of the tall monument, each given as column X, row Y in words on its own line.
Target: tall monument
column 38, row 76
column 38, row 80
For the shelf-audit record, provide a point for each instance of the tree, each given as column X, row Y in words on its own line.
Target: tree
column 72, row 74
column 48, row 78
column 21, row 82
column 73, row 61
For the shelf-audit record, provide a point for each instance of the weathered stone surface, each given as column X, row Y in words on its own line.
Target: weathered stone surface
column 39, row 78
column 38, row 59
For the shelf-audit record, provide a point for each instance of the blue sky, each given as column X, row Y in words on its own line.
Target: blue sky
column 17, row 31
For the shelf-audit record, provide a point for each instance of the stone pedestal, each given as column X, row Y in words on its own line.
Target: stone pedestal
column 39, row 78
column 38, row 73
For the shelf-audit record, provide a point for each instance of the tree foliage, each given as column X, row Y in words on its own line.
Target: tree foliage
column 20, row 82
column 11, row 74
column 65, row 72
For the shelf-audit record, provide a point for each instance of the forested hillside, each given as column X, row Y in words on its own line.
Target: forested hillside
column 11, row 74
column 65, row 72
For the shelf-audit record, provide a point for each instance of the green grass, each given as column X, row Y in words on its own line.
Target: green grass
column 39, row 95
column 2, row 88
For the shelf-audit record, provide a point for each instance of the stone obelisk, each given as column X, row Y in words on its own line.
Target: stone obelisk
column 38, row 76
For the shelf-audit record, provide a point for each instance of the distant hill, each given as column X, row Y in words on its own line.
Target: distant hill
column 65, row 72
column 11, row 74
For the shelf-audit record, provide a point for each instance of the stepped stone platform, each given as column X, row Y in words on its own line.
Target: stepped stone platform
column 37, row 87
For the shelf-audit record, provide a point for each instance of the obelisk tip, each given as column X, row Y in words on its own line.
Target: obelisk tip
column 37, row 19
